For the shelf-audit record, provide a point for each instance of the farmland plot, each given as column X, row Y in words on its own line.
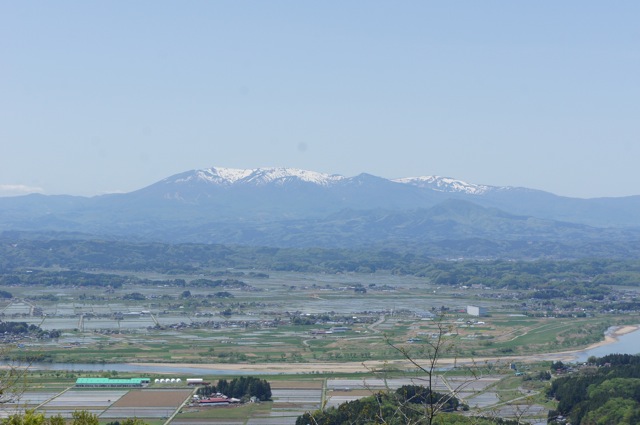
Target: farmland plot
column 86, row 399
column 147, row 404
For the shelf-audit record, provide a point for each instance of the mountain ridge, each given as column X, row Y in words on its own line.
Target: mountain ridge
column 293, row 207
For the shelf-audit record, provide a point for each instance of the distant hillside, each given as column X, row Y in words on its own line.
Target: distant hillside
column 297, row 208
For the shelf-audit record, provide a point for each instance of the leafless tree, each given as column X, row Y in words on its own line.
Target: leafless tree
column 13, row 379
column 436, row 392
column 427, row 359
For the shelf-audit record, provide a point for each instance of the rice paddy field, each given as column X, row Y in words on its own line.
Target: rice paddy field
column 291, row 397
column 290, row 318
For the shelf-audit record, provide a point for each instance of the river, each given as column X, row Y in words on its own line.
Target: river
column 625, row 344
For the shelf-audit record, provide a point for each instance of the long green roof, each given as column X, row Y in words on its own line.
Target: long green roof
column 96, row 381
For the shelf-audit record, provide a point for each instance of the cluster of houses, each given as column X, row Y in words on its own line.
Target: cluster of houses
column 215, row 400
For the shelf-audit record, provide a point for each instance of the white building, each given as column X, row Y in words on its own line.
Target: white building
column 473, row 310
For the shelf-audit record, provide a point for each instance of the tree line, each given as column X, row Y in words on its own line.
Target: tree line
column 23, row 328
column 242, row 388
column 408, row 405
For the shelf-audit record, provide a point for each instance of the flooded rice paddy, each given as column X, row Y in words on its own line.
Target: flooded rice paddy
column 290, row 399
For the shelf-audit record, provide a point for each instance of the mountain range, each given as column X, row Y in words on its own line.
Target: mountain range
column 287, row 207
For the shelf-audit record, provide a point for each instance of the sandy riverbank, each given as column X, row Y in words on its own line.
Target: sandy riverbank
column 614, row 335
column 352, row 367
column 610, row 337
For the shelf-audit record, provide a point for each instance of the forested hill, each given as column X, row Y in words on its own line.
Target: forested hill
column 20, row 255
column 84, row 250
column 606, row 392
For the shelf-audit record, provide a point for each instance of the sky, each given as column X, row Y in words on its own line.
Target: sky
column 112, row 96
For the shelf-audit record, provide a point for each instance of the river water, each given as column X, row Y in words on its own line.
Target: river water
column 625, row 344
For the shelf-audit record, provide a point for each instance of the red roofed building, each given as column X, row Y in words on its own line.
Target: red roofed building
column 216, row 401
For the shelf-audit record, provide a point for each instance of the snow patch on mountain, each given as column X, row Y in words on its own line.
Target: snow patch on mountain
column 230, row 177
column 446, row 184
column 259, row 176
column 224, row 175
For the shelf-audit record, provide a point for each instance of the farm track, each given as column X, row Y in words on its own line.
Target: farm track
column 374, row 326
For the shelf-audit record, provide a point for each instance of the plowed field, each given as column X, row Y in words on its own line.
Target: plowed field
column 153, row 398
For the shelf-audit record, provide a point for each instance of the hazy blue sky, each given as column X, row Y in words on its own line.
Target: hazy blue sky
column 110, row 96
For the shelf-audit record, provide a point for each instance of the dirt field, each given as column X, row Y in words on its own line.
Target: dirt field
column 153, row 398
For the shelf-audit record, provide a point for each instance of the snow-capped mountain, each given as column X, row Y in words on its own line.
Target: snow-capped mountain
column 446, row 184
column 279, row 175
column 290, row 192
